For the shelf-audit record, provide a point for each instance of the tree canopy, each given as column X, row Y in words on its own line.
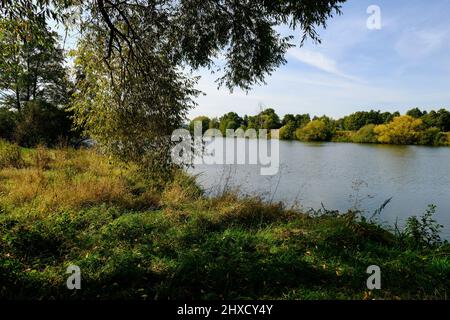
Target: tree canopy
column 132, row 87
column 34, row 84
column 315, row 130
column 432, row 128
column 31, row 64
column 402, row 130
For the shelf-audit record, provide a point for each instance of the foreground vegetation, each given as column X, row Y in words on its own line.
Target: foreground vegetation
column 134, row 240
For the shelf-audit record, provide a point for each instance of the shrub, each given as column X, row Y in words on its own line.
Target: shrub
column 423, row 230
column 10, row 155
column 181, row 190
column 249, row 212
column 42, row 123
column 287, row 132
column 433, row 137
column 343, row 136
column 204, row 122
column 7, row 124
column 402, row 130
column 365, row 135
column 315, row 130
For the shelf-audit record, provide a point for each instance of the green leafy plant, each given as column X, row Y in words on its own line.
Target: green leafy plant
column 423, row 230
column 365, row 135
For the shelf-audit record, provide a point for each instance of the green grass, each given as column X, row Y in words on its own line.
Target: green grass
column 133, row 241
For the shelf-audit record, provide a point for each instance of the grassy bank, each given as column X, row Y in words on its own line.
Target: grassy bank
column 132, row 241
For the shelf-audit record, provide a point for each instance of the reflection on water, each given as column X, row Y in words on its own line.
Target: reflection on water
column 314, row 173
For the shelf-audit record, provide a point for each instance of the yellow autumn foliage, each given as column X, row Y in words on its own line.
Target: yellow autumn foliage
column 401, row 130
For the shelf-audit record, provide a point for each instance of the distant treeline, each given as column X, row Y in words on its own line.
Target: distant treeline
column 415, row 127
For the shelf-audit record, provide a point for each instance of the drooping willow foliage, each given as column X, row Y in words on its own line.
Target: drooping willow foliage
column 132, row 57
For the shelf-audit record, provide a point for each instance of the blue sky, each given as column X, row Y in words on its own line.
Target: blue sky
column 403, row 65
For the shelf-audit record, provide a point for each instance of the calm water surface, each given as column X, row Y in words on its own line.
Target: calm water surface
column 338, row 174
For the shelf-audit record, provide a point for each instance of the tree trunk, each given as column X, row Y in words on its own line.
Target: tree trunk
column 18, row 105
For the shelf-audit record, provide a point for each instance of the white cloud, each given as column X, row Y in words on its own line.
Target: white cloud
column 319, row 61
column 420, row 44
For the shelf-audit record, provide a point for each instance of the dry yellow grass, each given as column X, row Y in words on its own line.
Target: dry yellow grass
column 60, row 179
column 181, row 191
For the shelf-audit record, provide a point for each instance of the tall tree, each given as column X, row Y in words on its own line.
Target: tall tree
column 133, row 52
column 231, row 120
column 31, row 64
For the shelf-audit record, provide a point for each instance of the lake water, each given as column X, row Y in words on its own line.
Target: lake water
column 338, row 174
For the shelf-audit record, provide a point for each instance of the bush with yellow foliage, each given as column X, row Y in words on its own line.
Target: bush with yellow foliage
column 401, row 130
column 315, row 130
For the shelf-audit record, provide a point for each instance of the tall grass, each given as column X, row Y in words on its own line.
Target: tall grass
column 65, row 178
column 10, row 155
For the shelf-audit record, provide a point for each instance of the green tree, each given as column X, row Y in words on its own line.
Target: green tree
column 131, row 91
column 214, row 123
column 329, row 123
column 302, row 119
column 443, row 120
column 244, row 124
column 357, row 120
column 416, row 113
column 34, row 89
column 365, row 135
column 388, row 117
column 31, row 65
column 41, row 122
column 266, row 119
column 8, row 121
column 253, row 123
column 204, row 120
column 439, row 119
column 287, row 132
column 131, row 114
column 269, row 119
column 432, row 137
column 229, row 121
column 287, row 118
